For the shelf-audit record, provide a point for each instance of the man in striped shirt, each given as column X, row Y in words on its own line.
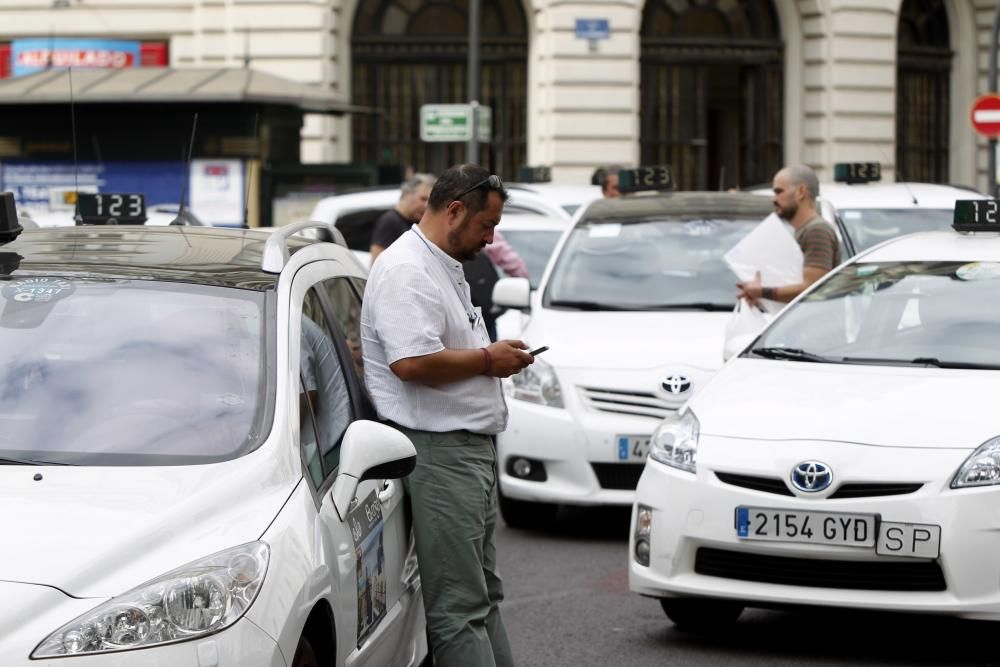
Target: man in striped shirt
column 795, row 191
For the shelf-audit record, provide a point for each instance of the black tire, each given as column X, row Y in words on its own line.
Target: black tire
column 304, row 654
column 700, row 614
column 523, row 515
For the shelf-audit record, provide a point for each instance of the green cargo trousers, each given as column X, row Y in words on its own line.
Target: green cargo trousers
column 453, row 494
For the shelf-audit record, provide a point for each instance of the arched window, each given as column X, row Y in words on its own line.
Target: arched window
column 923, row 91
column 711, row 99
column 407, row 53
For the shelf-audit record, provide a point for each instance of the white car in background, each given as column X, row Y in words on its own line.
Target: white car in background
column 156, row 214
column 190, row 465
column 849, row 457
column 355, row 213
column 633, row 306
column 570, row 197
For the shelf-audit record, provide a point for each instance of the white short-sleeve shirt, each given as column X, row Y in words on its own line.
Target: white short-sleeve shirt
column 417, row 302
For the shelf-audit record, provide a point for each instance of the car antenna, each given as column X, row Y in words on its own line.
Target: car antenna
column 181, row 213
column 246, row 199
column 899, row 172
column 77, row 218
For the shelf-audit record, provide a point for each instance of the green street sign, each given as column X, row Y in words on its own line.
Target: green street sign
column 452, row 122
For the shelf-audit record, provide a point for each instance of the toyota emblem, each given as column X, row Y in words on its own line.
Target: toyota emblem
column 812, row 476
column 676, row 384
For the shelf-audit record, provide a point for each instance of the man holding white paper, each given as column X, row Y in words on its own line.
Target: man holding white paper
column 795, row 191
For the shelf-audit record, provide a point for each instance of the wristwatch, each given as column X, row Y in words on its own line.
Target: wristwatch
column 767, row 293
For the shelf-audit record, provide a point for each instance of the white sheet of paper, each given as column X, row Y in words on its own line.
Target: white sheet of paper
column 771, row 249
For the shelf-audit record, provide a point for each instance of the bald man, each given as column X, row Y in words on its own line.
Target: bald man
column 795, row 191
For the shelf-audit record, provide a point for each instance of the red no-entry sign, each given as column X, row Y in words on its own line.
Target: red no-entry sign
column 985, row 115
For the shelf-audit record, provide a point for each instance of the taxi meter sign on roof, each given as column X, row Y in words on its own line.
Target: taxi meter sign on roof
column 985, row 115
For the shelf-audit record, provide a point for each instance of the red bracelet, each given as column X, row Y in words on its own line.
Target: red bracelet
column 487, row 361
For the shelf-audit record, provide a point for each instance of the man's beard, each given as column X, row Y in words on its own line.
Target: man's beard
column 464, row 254
column 786, row 213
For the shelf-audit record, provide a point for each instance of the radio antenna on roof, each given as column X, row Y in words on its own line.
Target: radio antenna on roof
column 249, row 172
column 902, row 178
column 181, row 218
column 77, row 218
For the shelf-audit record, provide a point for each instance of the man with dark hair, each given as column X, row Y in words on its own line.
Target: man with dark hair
column 408, row 211
column 433, row 373
column 607, row 178
column 795, row 191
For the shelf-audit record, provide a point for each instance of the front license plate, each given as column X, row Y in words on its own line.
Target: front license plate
column 632, row 448
column 836, row 528
column 914, row 540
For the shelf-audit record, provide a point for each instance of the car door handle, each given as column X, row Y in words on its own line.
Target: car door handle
column 388, row 490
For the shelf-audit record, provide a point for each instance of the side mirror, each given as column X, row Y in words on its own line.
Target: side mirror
column 512, row 293
column 370, row 451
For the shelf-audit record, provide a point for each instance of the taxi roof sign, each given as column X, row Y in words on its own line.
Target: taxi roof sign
column 976, row 215
column 652, row 177
column 111, row 208
column 527, row 174
column 10, row 228
column 857, row 172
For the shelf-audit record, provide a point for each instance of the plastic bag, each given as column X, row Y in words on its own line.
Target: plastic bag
column 743, row 326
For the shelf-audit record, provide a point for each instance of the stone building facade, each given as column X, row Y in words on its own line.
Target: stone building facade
column 724, row 90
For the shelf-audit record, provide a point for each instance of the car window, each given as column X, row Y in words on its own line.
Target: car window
column 868, row 227
column 326, row 394
column 898, row 312
column 535, row 247
column 131, row 372
column 309, row 437
column 346, row 309
column 647, row 264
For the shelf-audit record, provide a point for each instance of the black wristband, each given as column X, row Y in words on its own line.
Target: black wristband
column 767, row 293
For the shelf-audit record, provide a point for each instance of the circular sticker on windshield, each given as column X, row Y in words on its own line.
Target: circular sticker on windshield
column 37, row 290
column 978, row 271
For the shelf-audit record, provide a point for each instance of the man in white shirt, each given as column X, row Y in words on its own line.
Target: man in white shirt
column 431, row 370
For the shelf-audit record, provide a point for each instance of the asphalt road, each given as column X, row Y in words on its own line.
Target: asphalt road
column 568, row 603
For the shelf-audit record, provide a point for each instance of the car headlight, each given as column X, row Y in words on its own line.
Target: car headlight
column 197, row 599
column 536, row 383
column 982, row 468
column 675, row 441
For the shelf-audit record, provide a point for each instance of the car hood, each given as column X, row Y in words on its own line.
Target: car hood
column 873, row 405
column 97, row 532
column 628, row 340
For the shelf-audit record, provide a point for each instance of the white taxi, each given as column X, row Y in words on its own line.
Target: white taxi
column 633, row 307
column 190, row 474
column 850, row 456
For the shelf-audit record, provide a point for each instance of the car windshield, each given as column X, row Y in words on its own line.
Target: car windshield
column 647, row 265
column 129, row 372
column 868, row 227
column 899, row 313
column 534, row 247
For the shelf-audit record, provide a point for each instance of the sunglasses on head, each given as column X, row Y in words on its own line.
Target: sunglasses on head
column 492, row 181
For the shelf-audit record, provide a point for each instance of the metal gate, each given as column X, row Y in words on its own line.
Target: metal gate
column 407, row 53
column 711, row 91
column 923, row 92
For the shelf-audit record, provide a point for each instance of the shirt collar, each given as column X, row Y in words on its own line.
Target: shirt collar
column 447, row 260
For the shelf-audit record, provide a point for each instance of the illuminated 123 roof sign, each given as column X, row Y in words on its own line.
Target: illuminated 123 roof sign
column 112, row 208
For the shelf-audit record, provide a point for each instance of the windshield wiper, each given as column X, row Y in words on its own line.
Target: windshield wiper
column 790, row 354
column 10, row 461
column 585, row 305
column 922, row 361
column 694, row 305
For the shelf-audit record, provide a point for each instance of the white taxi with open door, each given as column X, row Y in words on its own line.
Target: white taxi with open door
column 190, row 474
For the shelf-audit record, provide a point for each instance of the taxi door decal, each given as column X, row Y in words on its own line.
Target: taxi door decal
column 365, row 521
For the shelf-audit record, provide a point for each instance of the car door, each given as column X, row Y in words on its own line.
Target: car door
column 367, row 547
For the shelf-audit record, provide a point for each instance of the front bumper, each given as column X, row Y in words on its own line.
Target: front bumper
column 578, row 452
column 696, row 512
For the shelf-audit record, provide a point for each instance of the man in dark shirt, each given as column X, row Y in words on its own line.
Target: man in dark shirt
column 795, row 191
column 410, row 208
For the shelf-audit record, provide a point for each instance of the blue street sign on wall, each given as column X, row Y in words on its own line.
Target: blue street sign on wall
column 593, row 29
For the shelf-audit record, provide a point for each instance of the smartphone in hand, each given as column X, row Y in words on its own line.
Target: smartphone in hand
column 538, row 350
